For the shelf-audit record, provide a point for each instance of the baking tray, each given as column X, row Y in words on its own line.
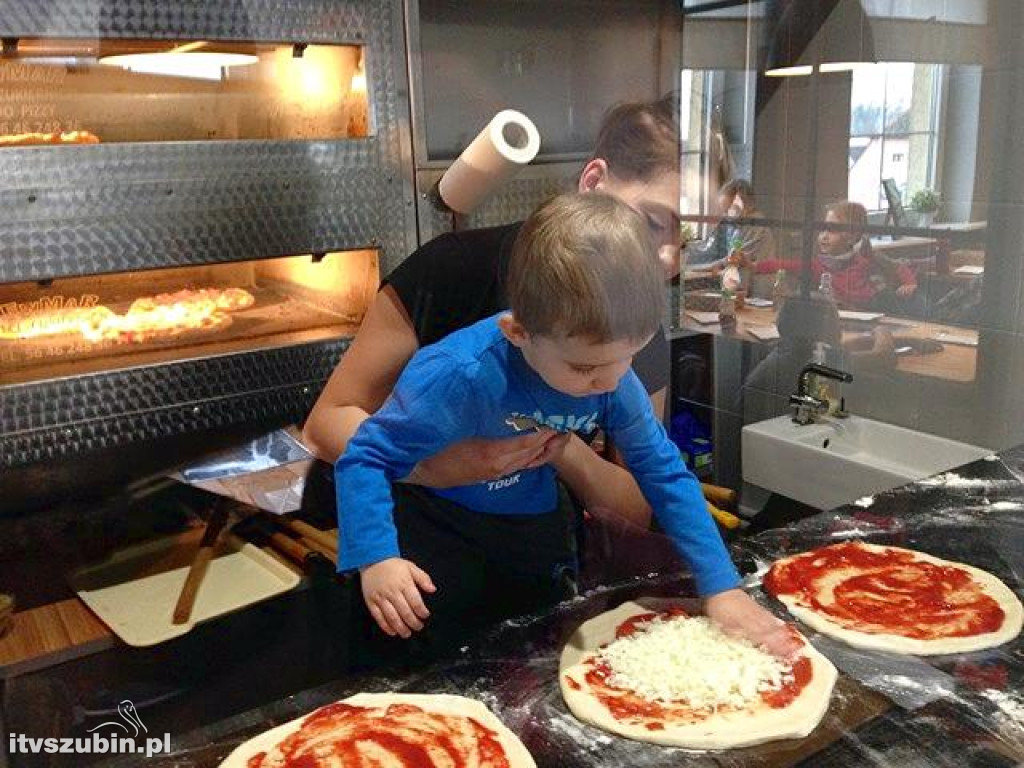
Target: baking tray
column 135, row 589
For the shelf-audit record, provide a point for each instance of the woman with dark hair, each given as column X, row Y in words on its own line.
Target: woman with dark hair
column 735, row 232
column 458, row 279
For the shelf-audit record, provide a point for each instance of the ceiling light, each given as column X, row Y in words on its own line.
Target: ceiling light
column 834, row 35
column 800, row 71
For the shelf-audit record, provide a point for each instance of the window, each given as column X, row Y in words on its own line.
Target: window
column 693, row 108
column 894, row 116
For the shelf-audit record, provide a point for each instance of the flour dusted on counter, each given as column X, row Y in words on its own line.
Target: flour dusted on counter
column 1009, row 704
column 953, row 480
column 690, row 659
column 1006, row 505
column 755, row 579
column 582, row 736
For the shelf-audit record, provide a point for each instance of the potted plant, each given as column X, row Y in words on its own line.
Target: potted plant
column 926, row 203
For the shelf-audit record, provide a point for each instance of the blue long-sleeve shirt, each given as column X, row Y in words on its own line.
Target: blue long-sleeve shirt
column 468, row 385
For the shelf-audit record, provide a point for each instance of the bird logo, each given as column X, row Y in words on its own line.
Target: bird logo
column 131, row 718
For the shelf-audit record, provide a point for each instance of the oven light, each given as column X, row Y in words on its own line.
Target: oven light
column 199, row 65
column 358, row 83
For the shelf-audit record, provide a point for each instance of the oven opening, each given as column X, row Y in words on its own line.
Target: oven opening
column 77, row 91
column 89, row 324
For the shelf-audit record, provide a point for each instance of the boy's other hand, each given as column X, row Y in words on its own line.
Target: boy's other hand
column 737, row 614
column 391, row 589
column 479, row 460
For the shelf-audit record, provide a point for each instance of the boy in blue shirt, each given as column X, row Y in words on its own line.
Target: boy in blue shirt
column 585, row 292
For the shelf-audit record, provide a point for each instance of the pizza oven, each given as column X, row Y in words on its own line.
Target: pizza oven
column 196, row 204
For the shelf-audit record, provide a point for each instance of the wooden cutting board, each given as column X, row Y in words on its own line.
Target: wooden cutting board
column 51, row 634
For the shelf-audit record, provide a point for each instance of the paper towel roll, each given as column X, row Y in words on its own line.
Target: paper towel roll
column 507, row 143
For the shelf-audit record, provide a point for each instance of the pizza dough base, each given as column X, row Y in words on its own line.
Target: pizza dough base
column 724, row 731
column 992, row 586
column 518, row 756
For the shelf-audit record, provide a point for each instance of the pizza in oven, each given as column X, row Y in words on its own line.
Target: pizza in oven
column 79, row 320
column 388, row 729
column 664, row 677
column 895, row 599
column 225, row 300
column 35, row 139
column 149, row 318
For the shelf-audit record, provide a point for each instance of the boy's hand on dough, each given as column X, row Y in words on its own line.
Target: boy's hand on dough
column 739, row 615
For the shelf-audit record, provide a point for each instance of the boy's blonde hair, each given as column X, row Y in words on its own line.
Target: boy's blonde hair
column 585, row 265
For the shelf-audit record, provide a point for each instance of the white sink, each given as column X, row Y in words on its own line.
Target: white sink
column 836, row 461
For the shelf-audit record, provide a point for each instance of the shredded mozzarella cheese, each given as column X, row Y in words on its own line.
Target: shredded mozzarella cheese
column 682, row 659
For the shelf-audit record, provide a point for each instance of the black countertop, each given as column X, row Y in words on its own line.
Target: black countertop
column 959, row 710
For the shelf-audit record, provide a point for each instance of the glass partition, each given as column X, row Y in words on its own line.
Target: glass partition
column 877, row 221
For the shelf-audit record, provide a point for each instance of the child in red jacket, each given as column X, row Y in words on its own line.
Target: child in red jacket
column 860, row 279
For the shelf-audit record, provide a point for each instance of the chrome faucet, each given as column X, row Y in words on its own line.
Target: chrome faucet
column 805, row 405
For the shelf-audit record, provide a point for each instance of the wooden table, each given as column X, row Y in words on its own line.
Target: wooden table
column 906, row 248
column 956, row 362
column 961, row 233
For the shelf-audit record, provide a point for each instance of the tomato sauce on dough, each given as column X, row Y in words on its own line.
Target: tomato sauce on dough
column 402, row 735
column 628, row 706
column 890, row 591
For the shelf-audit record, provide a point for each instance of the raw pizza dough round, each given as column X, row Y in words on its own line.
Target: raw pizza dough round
column 459, row 706
column 722, row 730
column 896, row 643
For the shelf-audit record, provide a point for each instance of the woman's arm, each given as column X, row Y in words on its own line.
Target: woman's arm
column 600, row 483
column 363, row 379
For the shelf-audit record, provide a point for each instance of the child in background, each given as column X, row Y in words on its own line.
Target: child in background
column 585, row 293
column 859, row 278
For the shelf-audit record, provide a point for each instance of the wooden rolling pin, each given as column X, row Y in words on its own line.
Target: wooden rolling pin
column 726, row 519
column 326, row 539
column 322, row 542
column 290, row 548
column 203, row 556
column 6, row 613
column 316, row 546
column 716, row 494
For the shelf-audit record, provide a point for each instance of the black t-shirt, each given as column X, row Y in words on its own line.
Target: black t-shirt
column 457, row 279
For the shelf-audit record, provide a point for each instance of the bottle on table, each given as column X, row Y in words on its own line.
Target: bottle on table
column 727, row 310
column 731, row 283
column 825, row 286
column 779, row 291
